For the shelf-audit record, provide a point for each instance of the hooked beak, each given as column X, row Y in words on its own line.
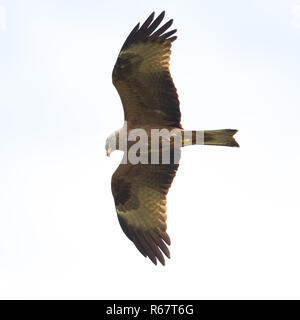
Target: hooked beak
column 108, row 152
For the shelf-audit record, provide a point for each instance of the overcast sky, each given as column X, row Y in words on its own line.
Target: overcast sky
column 233, row 214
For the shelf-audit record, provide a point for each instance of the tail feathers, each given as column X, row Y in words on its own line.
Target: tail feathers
column 223, row 137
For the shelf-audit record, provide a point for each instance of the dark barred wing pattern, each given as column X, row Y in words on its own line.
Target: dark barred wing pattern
column 142, row 78
column 140, row 198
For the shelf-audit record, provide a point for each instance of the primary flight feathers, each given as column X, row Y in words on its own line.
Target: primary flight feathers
column 142, row 78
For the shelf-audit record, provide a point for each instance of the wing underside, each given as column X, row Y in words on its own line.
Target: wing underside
column 142, row 78
column 140, row 198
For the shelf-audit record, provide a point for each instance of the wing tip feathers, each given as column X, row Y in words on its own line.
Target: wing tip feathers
column 148, row 31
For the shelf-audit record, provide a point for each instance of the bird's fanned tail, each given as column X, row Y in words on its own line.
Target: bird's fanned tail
column 222, row 137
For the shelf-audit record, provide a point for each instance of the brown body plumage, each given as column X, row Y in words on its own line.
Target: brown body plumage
column 142, row 78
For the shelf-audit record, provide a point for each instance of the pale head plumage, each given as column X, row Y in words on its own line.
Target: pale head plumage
column 111, row 143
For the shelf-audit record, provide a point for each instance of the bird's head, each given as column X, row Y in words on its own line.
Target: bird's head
column 111, row 143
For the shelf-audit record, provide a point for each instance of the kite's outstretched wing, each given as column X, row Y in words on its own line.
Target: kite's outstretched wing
column 140, row 198
column 142, row 78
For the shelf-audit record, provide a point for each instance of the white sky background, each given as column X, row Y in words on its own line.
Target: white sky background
column 233, row 214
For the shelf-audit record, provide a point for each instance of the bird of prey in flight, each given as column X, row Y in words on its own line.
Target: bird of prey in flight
column 142, row 78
